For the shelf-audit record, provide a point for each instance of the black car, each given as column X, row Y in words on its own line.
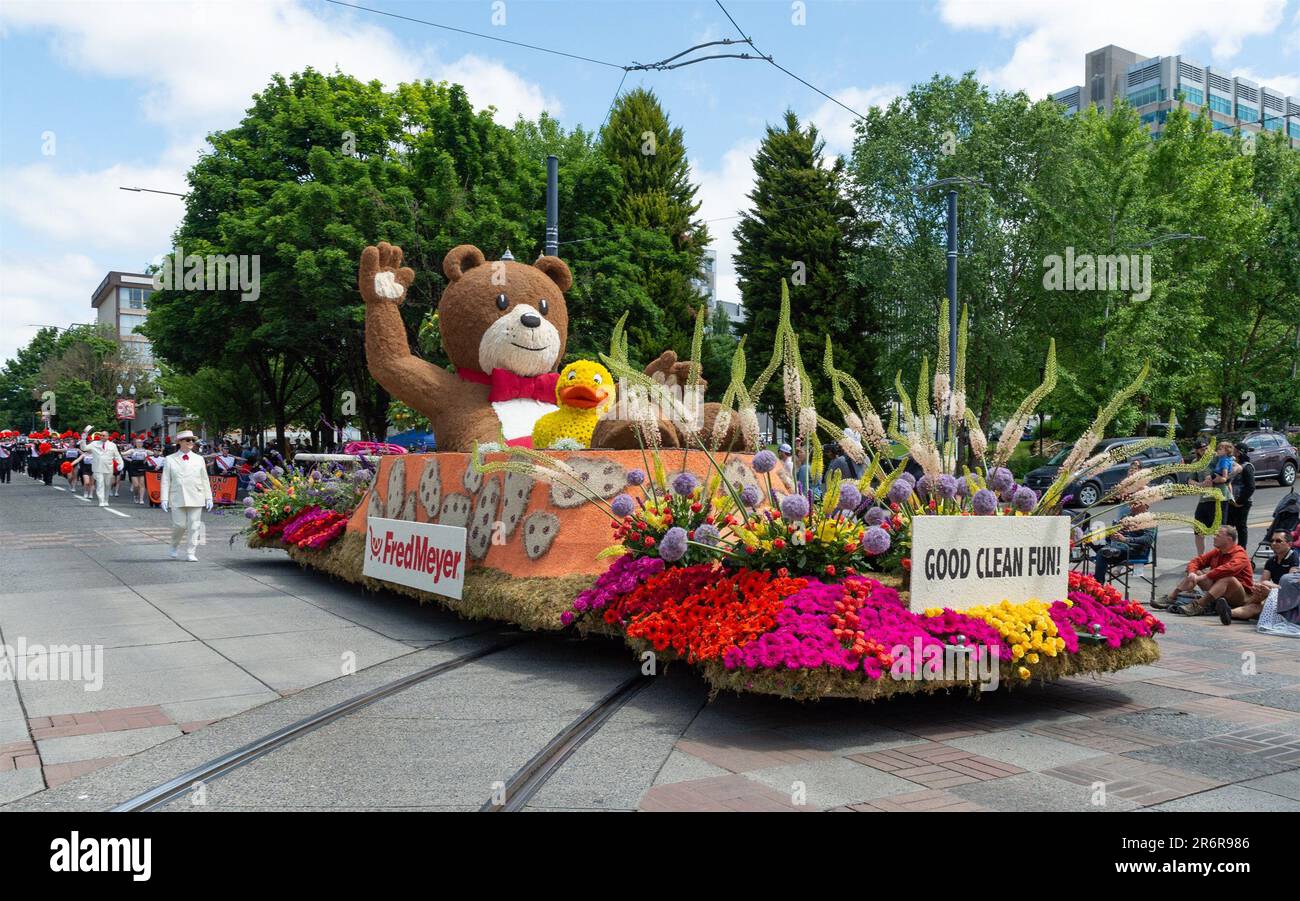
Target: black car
column 1095, row 487
column 1274, row 457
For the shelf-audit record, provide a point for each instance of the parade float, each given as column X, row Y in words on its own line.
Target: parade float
column 605, row 499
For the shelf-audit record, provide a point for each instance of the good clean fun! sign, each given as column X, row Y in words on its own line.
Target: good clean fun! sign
column 969, row 561
column 419, row 554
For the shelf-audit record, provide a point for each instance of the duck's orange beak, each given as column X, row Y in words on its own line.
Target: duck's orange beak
column 583, row 396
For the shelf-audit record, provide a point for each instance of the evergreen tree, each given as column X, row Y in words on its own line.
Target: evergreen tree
column 798, row 229
column 657, row 206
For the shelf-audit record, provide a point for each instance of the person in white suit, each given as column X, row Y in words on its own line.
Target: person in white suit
column 103, row 455
column 185, row 493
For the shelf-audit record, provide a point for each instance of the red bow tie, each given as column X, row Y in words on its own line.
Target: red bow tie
column 185, row 456
column 505, row 385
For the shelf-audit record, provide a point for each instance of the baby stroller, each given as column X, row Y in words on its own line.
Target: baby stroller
column 1285, row 517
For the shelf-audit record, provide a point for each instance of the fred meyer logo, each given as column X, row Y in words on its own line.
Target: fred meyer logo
column 418, row 554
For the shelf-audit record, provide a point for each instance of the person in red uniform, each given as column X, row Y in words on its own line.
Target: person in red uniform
column 1224, row 571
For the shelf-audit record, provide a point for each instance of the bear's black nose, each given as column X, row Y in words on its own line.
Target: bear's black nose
column 530, row 320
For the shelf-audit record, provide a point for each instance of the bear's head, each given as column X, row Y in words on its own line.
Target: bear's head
column 503, row 314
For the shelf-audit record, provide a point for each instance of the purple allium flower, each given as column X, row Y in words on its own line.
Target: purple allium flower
column 1008, row 495
column 900, row 491
column 750, row 496
column 925, row 487
column 707, row 534
column 622, row 505
column 875, row 516
column 875, row 541
column 908, row 477
column 1024, row 499
column 673, row 545
column 248, row 502
column 794, row 507
column 1000, row 479
column 764, row 461
column 277, row 470
column 684, row 484
column 359, row 475
column 258, row 477
column 635, row 476
column 250, row 513
column 984, row 502
column 850, row 496
column 946, row 486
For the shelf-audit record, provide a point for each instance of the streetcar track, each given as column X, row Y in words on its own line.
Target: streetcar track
column 534, row 774
column 159, row 795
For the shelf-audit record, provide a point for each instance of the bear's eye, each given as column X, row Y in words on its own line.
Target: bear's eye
column 595, row 379
column 543, row 306
column 502, row 302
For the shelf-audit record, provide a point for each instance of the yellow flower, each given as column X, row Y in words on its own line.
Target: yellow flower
column 933, row 611
column 1024, row 672
column 1032, row 658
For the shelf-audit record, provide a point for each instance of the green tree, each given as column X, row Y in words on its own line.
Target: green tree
column 799, row 229
column 657, row 207
column 1019, row 150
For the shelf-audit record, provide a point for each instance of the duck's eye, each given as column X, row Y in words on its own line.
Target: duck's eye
column 543, row 306
column 573, row 374
column 595, row 379
column 502, row 302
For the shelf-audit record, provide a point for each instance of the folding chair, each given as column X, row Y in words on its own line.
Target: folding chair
column 1142, row 569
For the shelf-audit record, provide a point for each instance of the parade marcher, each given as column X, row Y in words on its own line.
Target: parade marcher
column 186, row 493
column 106, row 459
column 46, row 463
column 135, row 458
column 5, row 459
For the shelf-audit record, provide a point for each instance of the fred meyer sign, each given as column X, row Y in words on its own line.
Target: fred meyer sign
column 418, row 554
column 969, row 561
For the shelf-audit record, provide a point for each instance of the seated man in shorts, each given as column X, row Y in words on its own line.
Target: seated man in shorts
column 1285, row 560
column 1224, row 571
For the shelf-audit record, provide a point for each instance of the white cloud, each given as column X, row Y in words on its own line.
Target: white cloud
column 51, row 289
column 1054, row 37
column 203, row 60
column 836, row 123
column 723, row 194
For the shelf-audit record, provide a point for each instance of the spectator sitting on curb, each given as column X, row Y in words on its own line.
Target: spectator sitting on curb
column 1222, row 572
column 1124, row 546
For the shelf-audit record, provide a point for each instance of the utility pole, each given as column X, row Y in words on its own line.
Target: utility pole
column 552, row 205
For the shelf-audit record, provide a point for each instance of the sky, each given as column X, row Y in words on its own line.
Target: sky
column 100, row 94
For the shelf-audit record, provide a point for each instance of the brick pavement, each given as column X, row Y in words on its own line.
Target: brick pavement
column 1245, row 725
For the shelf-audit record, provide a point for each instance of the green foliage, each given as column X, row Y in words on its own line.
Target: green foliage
column 799, row 227
column 655, row 209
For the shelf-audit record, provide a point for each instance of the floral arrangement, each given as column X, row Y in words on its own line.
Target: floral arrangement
column 307, row 508
column 757, row 620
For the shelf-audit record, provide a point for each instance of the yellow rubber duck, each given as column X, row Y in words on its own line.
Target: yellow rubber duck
column 584, row 393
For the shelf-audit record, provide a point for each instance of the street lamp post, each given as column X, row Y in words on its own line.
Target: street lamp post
column 952, row 184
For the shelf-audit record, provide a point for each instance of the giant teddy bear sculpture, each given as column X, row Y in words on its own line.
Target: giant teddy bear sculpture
column 504, row 326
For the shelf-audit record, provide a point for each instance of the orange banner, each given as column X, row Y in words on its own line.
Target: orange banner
column 224, row 488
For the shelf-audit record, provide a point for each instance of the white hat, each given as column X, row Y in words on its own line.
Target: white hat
column 185, row 434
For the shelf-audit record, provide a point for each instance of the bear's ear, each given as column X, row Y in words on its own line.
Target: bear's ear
column 461, row 259
column 557, row 270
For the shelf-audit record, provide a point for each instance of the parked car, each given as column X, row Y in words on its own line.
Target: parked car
column 1095, row 487
column 1274, row 457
